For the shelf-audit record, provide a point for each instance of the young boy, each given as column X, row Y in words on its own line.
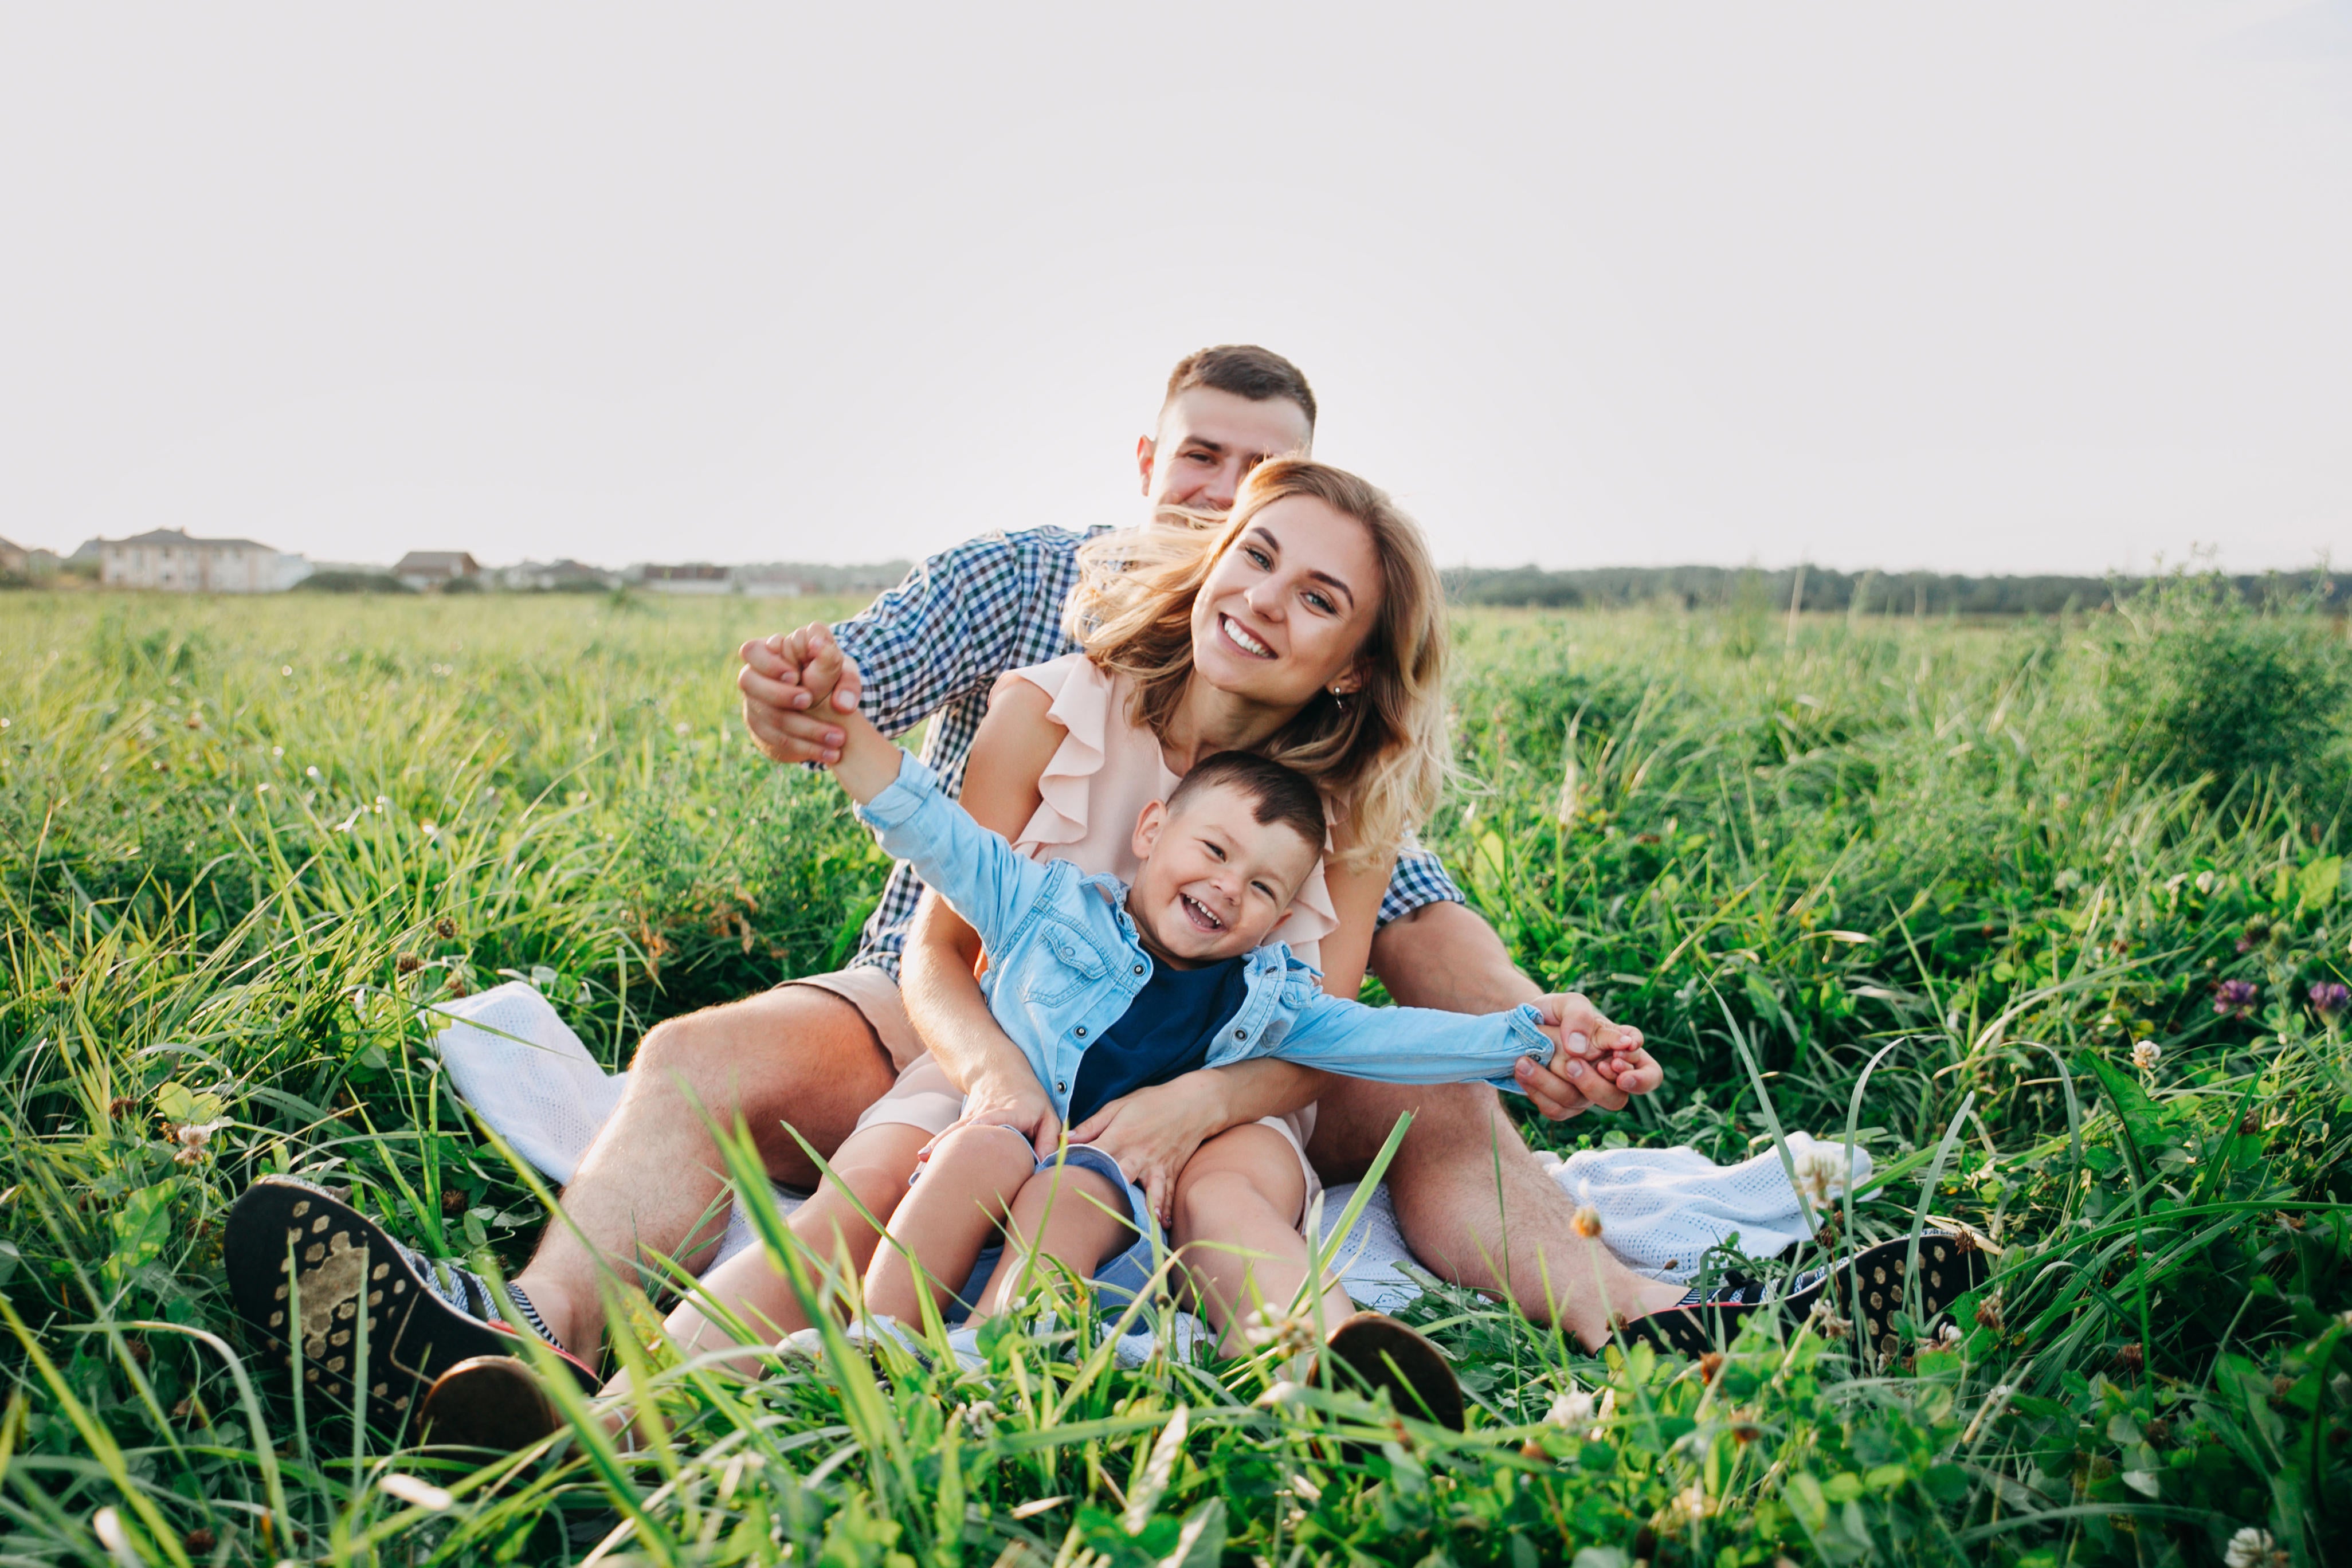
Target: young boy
column 1106, row 989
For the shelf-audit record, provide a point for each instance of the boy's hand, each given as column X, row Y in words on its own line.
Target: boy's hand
column 1599, row 1064
column 793, row 683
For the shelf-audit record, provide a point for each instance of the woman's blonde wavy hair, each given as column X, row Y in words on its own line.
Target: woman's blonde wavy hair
column 1382, row 756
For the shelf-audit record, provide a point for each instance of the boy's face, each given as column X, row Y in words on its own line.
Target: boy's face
column 1215, row 880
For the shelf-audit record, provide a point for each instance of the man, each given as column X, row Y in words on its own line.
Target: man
column 815, row 1053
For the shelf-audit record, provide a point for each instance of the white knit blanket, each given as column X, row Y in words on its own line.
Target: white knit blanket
column 526, row 1074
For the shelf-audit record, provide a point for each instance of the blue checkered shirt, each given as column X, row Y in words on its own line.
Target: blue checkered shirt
column 932, row 648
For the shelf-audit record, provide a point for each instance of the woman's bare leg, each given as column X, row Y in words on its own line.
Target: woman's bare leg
column 1237, row 1213
column 1073, row 1215
column 947, row 1217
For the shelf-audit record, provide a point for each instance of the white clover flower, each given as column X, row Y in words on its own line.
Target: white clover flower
column 2249, row 1548
column 2146, row 1054
column 2204, row 881
column 1821, row 1170
column 1573, row 1409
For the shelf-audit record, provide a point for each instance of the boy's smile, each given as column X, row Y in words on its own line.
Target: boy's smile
column 1216, row 881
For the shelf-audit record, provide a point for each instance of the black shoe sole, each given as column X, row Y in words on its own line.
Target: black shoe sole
column 301, row 1267
column 1950, row 1266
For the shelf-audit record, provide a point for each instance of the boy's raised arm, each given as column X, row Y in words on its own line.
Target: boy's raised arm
column 983, row 877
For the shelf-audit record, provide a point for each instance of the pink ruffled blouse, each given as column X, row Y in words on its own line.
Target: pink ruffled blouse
column 1103, row 774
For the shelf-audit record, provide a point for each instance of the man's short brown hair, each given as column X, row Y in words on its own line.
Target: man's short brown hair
column 1244, row 370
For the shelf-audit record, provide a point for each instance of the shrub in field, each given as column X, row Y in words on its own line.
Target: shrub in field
column 2209, row 687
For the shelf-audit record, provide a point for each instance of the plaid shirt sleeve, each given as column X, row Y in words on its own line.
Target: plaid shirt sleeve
column 1419, row 878
column 960, row 620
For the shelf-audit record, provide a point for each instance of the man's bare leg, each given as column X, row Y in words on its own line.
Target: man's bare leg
column 1461, row 1173
column 797, row 1054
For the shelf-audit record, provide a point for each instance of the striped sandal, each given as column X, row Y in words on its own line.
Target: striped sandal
column 302, row 1264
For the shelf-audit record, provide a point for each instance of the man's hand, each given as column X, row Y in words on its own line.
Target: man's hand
column 1599, row 1064
column 1154, row 1131
column 1014, row 1099
column 791, row 683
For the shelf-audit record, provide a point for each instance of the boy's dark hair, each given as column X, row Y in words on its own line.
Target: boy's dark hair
column 1278, row 793
column 1244, row 370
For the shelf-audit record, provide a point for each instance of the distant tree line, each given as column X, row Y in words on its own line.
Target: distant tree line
column 1863, row 593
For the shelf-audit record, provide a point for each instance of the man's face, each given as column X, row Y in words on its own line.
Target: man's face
column 1210, row 440
column 1215, row 880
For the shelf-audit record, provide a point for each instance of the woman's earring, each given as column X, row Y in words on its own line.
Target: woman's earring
column 1340, row 696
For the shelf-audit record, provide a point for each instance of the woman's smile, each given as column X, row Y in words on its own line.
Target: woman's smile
column 1241, row 637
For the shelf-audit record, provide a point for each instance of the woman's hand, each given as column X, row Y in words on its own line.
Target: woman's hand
column 1153, row 1132
column 1599, row 1064
column 1011, row 1099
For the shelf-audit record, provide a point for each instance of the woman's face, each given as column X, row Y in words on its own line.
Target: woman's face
column 1288, row 605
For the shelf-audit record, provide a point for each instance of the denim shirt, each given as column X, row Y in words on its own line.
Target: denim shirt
column 1065, row 963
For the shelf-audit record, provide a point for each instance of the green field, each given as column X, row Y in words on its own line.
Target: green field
column 241, row 841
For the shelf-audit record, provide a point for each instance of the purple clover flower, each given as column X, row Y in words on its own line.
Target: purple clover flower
column 2329, row 997
column 2235, row 998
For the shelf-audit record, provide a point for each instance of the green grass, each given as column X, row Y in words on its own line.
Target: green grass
column 1928, row 882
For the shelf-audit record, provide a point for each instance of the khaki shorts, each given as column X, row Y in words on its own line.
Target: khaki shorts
column 925, row 1098
column 876, row 995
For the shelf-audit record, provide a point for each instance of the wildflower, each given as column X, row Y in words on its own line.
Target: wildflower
column 1989, row 1312
column 1826, row 1322
column 1821, row 1170
column 1571, row 1410
column 2235, row 998
column 1710, row 1366
column 2249, row 1548
column 979, row 1417
column 191, row 1141
column 2204, row 881
column 1586, row 1223
column 414, row 1492
column 1949, row 1335
column 2131, row 1358
column 2328, row 997
column 2146, row 1054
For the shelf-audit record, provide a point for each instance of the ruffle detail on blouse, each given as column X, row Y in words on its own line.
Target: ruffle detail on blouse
column 1086, row 703
column 1081, row 704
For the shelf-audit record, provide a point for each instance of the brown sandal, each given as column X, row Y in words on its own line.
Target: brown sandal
column 1380, row 1353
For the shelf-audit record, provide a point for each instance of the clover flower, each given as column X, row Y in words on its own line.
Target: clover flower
column 1572, row 1410
column 1586, row 1223
column 2328, row 997
column 1821, row 1170
column 2249, row 1548
column 2146, row 1055
column 2235, row 998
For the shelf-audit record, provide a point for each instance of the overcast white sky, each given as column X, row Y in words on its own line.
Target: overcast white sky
column 1979, row 288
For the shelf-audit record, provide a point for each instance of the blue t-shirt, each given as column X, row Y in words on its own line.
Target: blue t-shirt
column 1164, row 1032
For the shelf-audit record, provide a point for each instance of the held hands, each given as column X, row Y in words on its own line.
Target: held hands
column 1599, row 1063
column 792, row 684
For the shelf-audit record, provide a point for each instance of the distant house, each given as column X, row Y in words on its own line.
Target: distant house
column 423, row 569
column 15, row 560
column 698, row 577
column 772, row 583
column 168, row 559
column 554, row 576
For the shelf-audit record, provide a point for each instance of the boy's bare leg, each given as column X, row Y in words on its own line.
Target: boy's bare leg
column 874, row 1165
column 946, row 1218
column 1073, row 1215
column 1237, row 1206
column 798, row 1055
